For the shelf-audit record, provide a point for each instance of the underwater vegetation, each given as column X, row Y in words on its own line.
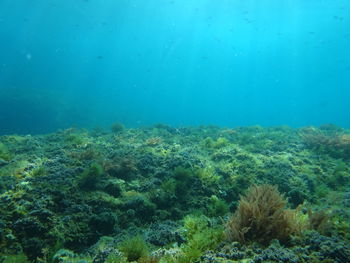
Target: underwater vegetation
column 117, row 127
column 328, row 139
column 165, row 194
column 262, row 216
column 134, row 248
column 5, row 155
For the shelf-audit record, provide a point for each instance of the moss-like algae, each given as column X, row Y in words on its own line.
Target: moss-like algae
column 80, row 185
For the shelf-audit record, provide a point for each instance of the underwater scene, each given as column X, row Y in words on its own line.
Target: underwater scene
column 174, row 131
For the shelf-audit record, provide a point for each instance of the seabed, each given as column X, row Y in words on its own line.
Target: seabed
column 185, row 194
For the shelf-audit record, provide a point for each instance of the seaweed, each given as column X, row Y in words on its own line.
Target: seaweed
column 134, row 248
column 176, row 187
column 335, row 141
column 262, row 216
column 4, row 153
column 200, row 237
column 90, row 177
column 117, row 127
column 319, row 221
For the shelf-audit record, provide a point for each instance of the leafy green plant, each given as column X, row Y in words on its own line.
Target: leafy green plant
column 20, row 258
column 217, row 207
column 200, row 238
column 38, row 172
column 220, row 142
column 209, row 143
column 194, row 224
column 5, row 153
column 134, row 248
column 207, row 176
column 115, row 258
column 91, row 175
column 184, row 178
column 75, row 139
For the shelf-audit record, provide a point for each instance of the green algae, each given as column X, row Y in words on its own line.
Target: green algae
column 117, row 127
column 79, row 186
column 19, row 258
column 134, row 248
column 200, row 238
column 90, row 177
column 5, row 153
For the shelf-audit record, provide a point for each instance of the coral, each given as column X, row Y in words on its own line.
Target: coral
column 262, row 216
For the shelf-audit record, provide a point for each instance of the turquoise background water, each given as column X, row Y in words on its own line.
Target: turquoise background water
column 181, row 62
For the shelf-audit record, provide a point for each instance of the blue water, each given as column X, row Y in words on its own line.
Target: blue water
column 88, row 63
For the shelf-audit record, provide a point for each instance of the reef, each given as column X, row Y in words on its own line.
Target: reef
column 167, row 194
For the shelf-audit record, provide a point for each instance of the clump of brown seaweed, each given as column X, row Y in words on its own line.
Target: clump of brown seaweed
column 327, row 139
column 262, row 216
